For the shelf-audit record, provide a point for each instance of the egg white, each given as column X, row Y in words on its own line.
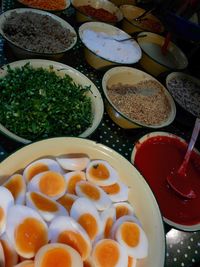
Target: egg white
column 73, row 162
column 70, row 176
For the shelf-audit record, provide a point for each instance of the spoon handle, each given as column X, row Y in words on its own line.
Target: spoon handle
column 144, row 14
column 192, row 142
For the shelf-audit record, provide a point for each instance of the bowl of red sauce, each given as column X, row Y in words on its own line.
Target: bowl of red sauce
column 97, row 10
column 155, row 155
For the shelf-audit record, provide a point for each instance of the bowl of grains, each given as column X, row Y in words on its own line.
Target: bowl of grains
column 135, row 99
column 103, row 47
column 33, row 33
column 97, row 10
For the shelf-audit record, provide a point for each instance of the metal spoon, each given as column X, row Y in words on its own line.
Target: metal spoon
column 178, row 180
column 147, row 12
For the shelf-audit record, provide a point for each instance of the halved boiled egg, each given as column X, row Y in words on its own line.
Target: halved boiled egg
column 101, row 173
column 132, row 237
column 67, row 201
column 26, row 230
column 118, row 222
column 86, row 214
column 132, row 262
column 123, row 209
column 2, row 258
column 27, row 263
column 49, row 183
column 17, row 186
column 58, row 255
column 73, row 162
column 117, row 191
column 46, row 207
column 93, row 193
column 109, row 253
column 6, row 201
column 66, row 230
column 10, row 255
column 72, row 178
column 39, row 166
column 108, row 218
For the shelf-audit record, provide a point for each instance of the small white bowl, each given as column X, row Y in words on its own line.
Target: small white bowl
column 110, row 52
column 140, row 195
column 78, row 77
column 23, row 53
column 182, row 227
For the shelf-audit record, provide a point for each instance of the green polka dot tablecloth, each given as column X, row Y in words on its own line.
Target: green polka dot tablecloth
column 183, row 248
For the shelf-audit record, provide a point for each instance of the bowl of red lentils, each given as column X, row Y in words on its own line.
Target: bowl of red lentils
column 47, row 5
column 135, row 99
column 97, row 10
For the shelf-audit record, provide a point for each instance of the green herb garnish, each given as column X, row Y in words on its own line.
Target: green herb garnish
column 36, row 103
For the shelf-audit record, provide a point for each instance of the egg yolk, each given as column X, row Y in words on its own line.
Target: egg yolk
column 2, row 216
column 112, row 189
column 15, row 185
column 90, row 191
column 88, row 222
column 43, row 204
column 72, row 183
column 36, row 169
column 107, row 253
column 56, row 257
column 10, row 258
column 130, row 261
column 52, row 184
column 108, row 226
column 130, row 233
column 99, row 172
column 76, row 241
column 66, row 201
column 30, row 235
column 121, row 211
column 87, row 264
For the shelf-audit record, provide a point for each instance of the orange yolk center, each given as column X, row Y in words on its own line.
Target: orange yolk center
column 30, row 235
column 42, row 203
column 107, row 254
column 72, row 183
column 76, row 241
column 88, row 222
column 130, row 234
column 130, row 261
column 90, row 191
column 15, row 185
column 2, row 216
column 111, row 189
column 67, row 202
column 99, row 172
column 56, row 257
column 36, row 169
column 121, row 211
column 87, row 264
column 108, row 227
column 52, row 184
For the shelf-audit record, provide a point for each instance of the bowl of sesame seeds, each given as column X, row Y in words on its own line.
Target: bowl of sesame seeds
column 135, row 99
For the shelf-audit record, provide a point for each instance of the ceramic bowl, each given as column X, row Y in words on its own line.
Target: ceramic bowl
column 78, row 77
column 82, row 16
column 185, row 89
column 132, row 76
column 100, row 57
column 174, row 162
column 154, row 61
column 140, row 195
column 148, row 23
column 23, row 53
column 124, row 2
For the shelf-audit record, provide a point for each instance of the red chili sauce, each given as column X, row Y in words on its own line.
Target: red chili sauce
column 98, row 13
column 155, row 159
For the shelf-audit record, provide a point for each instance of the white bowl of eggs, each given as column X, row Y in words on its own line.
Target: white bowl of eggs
column 80, row 202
